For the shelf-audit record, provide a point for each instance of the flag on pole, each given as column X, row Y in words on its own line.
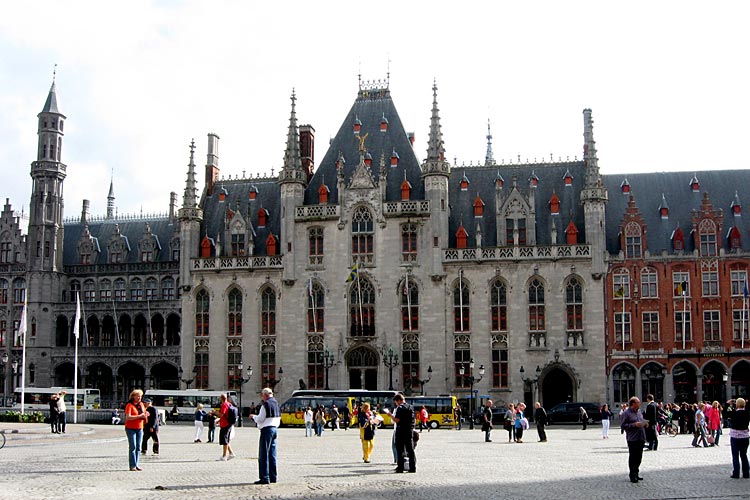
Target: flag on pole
column 20, row 339
column 682, row 288
column 620, row 292
column 745, row 292
column 353, row 273
column 77, row 320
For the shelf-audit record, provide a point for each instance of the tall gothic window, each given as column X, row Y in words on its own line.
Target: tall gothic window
column 409, row 242
column 268, row 367
column 201, row 370
column 409, row 307
column 707, row 236
column 105, row 290
column 315, row 308
column 623, row 382
column 202, row 303
column 633, row 234
column 136, row 289
column 362, row 236
column 234, row 359
column 574, row 305
column 89, row 291
column 649, row 283
column 315, row 368
column 461, row 307
column 167, row 289
column 152, row 289
column 6, row 252
column 499, row 307
column 234, row 319
column 268, row 311
column 362, row 308
column 19, row 291
column 120, row 289
column 315, row 240
column 536, row 306
column 3, row 291
column 499, row 367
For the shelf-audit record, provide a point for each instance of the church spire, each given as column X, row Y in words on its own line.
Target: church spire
column 590, row 160
column 111, row 198
column 488, row 158
column 292, row 170
column 188, row 199
column 435, row 149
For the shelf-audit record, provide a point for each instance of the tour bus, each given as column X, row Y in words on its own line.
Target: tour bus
column 293, row 409
column 439, row 408
column 187, row 401
column 37, row 398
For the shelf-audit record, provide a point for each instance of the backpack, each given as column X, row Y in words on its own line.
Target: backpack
column 232, row 415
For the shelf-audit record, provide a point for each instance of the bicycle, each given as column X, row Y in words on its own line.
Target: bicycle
column 2, row 439
column 670, row 428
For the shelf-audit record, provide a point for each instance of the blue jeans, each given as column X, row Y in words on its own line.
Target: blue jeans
column 267, row 454
column 135, row 437
column 308, row 429
column 319, row 429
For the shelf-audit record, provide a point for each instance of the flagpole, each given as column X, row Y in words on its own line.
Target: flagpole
column 359, row 299
column 684, row 306
column 22, row 331
column 742, row 330
column 461, row 297
column 623, row 317
column 76, row 330
column 408, row 298
column 151, row 339
column 116, row 340
column 312, row 301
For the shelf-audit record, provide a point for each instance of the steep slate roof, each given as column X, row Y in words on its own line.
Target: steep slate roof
column 133, row 230
column 482, row 181
column 268, row 197
column 369, row 108
column 50, row 106
column 675, row 186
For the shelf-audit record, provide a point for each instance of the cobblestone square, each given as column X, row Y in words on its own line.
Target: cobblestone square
column 91, row 462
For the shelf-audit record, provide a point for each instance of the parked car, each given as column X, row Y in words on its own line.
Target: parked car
column 570, row 413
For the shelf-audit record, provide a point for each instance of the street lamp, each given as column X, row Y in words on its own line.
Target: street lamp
column 189, row 381
column 472, row 380
column 327, row 364
column 531, row 381
column 273, row 381
column 390, row 359
column 242, row 380
column 420, row 381
column 5, row 378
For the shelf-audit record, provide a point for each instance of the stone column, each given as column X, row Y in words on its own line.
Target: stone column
column 699, row 386
column 669, row 388
column 728, row 384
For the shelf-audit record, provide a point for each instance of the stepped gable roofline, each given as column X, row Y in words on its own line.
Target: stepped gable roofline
column 372, row 102
column 649, row 187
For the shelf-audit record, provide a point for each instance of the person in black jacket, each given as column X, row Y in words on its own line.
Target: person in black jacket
column 487, row 421
column 150, row 428
column 739, row 438
column 403, row 415
column 651, row 414
column 540, row 417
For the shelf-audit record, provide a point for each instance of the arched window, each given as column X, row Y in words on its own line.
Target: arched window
column 136, row 289
column 19, row 291
column 89, row 291
column 105, row 290
column 621, row 284
column 152, row 289
column 649, row 283
column 623, row 382
column 268, row 311
column 707, row 235
column 234, row 319
column 574, row 305
column 315, row 239
column 362, row 236
column 315, row 307
column 536, row 306
column 120, row 289
column 499, row 307
column 3, row 291
column 633, row 241
column 409, row 306
column 362, row 308
column 167, row 289
column 202, row 303
column 461, row 306
column 409, row 242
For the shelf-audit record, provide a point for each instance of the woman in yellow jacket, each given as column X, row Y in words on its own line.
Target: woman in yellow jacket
column 368, row 421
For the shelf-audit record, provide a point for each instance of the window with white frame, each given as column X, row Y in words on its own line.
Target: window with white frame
column 649, row 283
column 651, row 326
column 711, row 326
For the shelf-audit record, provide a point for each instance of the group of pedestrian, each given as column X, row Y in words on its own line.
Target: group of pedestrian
column 57, row 413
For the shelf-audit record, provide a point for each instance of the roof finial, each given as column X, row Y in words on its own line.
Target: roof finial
column 388, row 73
column 54, row 74
column 489, row 159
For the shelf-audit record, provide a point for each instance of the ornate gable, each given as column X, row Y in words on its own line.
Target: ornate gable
column 88, row 247
column 118, row 247
column 149, row 245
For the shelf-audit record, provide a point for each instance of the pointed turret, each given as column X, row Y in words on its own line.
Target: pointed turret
column 593, row 197
column 111, row 199
column 188, row 198
column 489, row 158
column 50, row 106
column 292, row 170
column 435, row 146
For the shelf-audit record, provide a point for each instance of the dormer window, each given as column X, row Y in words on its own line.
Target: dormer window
column 735, row 241
column 461, row 237
column 262, row 217
column 405, row 190
column 253, row 194
column 533, row 180
column 368, row 159
column 271, row 246
column 568, row 178
column 554, row 204
column 206, row 247
column 694, row 184
column 707, row 237
column 499, row 181
column 394, row 159
column 625, row 187
column 464, row 183
column 323, row 194
column 384, row 124
column 678, row 240
column 357, row 125
column 478, row 206
column 633, row 241
column 571, row 234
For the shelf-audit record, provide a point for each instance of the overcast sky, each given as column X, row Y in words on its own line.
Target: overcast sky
column 668, row 83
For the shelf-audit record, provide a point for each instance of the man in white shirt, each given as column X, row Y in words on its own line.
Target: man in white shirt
column 267, row 420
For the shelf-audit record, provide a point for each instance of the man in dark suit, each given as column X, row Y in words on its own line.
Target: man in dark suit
column 540, row 417
column 651, row 414
column 404, row 418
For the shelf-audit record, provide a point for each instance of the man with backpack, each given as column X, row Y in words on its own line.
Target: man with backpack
column 227, row 417
column 404, row 418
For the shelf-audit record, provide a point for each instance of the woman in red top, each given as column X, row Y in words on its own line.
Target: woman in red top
column 135, row 416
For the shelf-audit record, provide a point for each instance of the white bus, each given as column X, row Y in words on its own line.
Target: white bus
column 187, row 401
column 37, row 398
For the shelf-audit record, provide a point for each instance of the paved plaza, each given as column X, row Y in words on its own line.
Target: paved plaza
column 91, row 462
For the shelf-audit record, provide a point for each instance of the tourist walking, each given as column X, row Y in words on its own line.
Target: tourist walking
column 520, row 423
column 700, row 427
column 135, row 417
column 334, row 417
column 227, row 418
column 606, row 420
column 320, row 420
column 210, row 420
column 116, row 417
column 634, row 426
column 457, row 416
column 713, row 422
column 651, row 415
column 267, row 420
column 540, row 417
column 583, row 416
column 53, row 412
column 424, row 416
column 487, row 421
column 508, row 420
column 367, row 424
column 739, row 438
column 150, row 428
column 404, row 418
column 308, row 418
column 198, row 422
column 346, row 417
column 61, row 408
column 175, row 414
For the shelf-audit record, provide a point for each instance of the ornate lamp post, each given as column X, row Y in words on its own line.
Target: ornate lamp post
column 390, row 359
column 531, row 381
column 327, row 364
column 5, row 378
column 273, row 381
column 472, row 380
column 242, row 380
column 420, row 381
column 189, row 381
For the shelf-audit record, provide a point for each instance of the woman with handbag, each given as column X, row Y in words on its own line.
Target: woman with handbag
column 519, row 422
column 508, row 423
column 368, row 422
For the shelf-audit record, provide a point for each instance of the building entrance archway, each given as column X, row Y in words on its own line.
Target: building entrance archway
column 362, row 365
column 557, row 387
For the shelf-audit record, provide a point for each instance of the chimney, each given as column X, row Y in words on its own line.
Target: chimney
column 85, row 213
column 212, row 163
column 172, row 205
column 307, row 149
column 410, row 136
